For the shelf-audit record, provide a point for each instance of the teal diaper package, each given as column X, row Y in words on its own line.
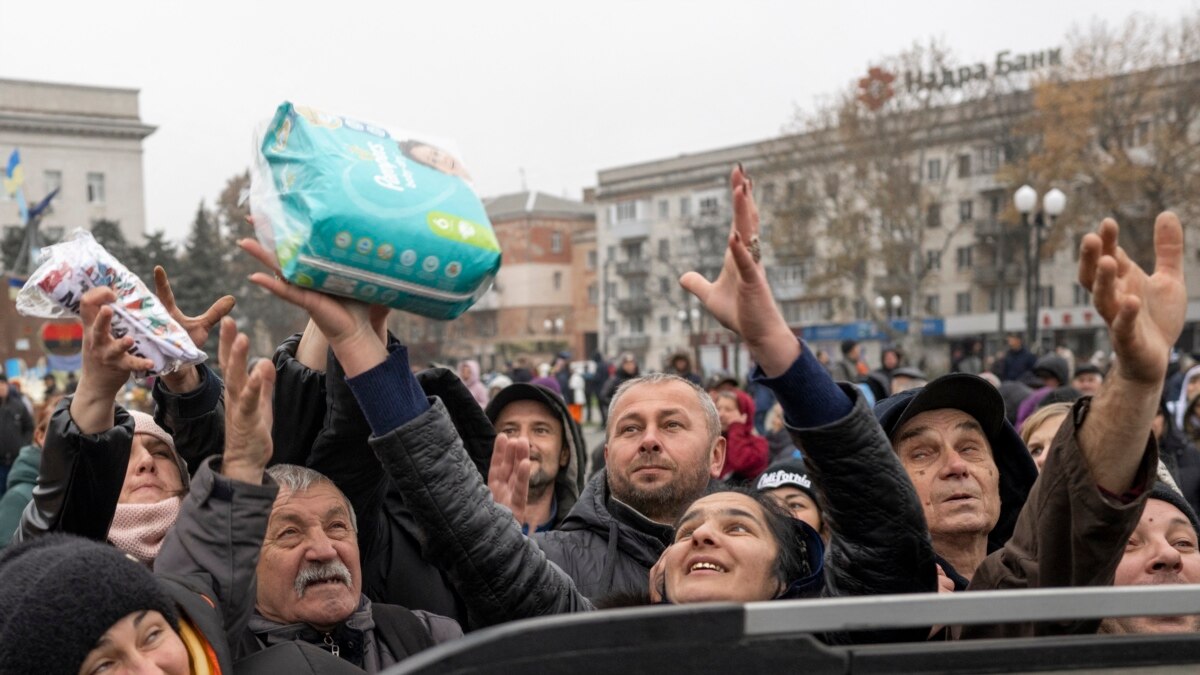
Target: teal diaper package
column 353, row 209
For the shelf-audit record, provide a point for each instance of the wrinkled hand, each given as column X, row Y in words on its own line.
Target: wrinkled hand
column 350, row 326
column 508, row 475
column 1145, row 313
column 248, row 412
column 741, row 298
column 107, row 363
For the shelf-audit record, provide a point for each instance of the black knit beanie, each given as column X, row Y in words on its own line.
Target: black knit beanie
column 1164, row 492
column 60, row 593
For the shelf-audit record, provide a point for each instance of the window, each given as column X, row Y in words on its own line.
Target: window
column 1010, row 299
column 832, row 185
column 989, row 159
column 52, row 181
column 637, row 288
column 637, row 325
column 962, row 303
column 995, row 205
column 710, row 206
column 558, row 281
column 963, row 257
column 933, row 260
column 610, row 328
column 685, row 206
column 933, row 305
column 610, row 254
column 591, row 259
column 860, row 310
column 664, row 208
column 933, row 170
column 664, row 285
column 966, row 210
column 610, row 289
column 593, row 294
column 626, row 211
column 964, row 166
column 95, row 188
column 633, row 251
column 556, row 242
column 933, row 215
column 767, row 194
column 664, row 249
column 1045, row 296
column 1082, row 296
column 664, row 324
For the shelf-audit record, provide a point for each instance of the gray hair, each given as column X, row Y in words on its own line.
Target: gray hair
column 295, row 478
column 711, row 419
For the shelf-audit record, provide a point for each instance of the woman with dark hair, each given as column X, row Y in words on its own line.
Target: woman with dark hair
column 739, row 545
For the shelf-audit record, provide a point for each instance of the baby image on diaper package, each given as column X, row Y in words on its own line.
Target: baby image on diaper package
column 354, row 209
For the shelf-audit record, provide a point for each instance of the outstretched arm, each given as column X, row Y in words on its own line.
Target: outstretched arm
column 1145, row 316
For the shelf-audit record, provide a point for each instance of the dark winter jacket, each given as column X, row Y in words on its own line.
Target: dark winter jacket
column 16, row 428
column 1015, row 363
column 1175, row 449
column 395, row 569
column 196, row 419
column 881, row 545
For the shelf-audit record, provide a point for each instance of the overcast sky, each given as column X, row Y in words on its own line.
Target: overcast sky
column 561, row 89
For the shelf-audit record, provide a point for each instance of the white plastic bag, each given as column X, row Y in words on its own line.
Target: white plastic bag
column 70, row 269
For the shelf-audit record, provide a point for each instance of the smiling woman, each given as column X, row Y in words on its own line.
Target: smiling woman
column 739, row 546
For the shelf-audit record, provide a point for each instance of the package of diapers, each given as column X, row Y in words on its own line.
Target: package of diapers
column 68, row 270
column 354, row 209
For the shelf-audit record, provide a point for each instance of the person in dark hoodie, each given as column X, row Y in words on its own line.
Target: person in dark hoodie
column 556, row 450
column 1054, row 372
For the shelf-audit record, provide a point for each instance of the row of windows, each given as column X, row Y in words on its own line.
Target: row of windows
column 630, row 210
column 53, row 180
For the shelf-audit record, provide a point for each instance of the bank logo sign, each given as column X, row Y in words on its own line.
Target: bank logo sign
column 876, row 88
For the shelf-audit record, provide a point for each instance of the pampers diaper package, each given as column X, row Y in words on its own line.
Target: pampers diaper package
column 68, row 270
column 354, row 209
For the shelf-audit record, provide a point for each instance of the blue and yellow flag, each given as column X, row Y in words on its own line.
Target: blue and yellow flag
column 14, row 173
column 14, row 178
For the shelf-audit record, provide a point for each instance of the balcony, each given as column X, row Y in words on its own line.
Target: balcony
column 631, row 230
column 633, row 343
column 989, row 275
column 714, row 219
column 637, row 267
column 638, row 305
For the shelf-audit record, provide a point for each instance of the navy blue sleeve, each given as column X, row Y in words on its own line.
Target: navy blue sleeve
column 389, row 394
column 807, row 393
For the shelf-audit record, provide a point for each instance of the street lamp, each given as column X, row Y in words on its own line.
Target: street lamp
column 892, row 305
column 1053, row 203
column 553, row 326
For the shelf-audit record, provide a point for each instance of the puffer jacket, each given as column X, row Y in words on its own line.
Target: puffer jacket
column 879, row 543
column 605, row 546
column 333, row 433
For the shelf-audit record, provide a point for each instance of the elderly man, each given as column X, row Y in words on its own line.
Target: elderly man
column 556, row 450
column 304, row 559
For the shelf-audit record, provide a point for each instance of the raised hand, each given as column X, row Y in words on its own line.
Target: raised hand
column 508, row 475
column 107, row 363
column 197, row 327
column 248, row 413
column 741, row 298
column 347, row 324
column 1145, row 313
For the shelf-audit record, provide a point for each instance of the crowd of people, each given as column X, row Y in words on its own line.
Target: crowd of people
column 330, row 510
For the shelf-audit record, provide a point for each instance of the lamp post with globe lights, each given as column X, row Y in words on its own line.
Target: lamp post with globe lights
column 1053, row 204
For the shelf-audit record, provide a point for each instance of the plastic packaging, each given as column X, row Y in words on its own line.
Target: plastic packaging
column 68, row 270
column 354, row 209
